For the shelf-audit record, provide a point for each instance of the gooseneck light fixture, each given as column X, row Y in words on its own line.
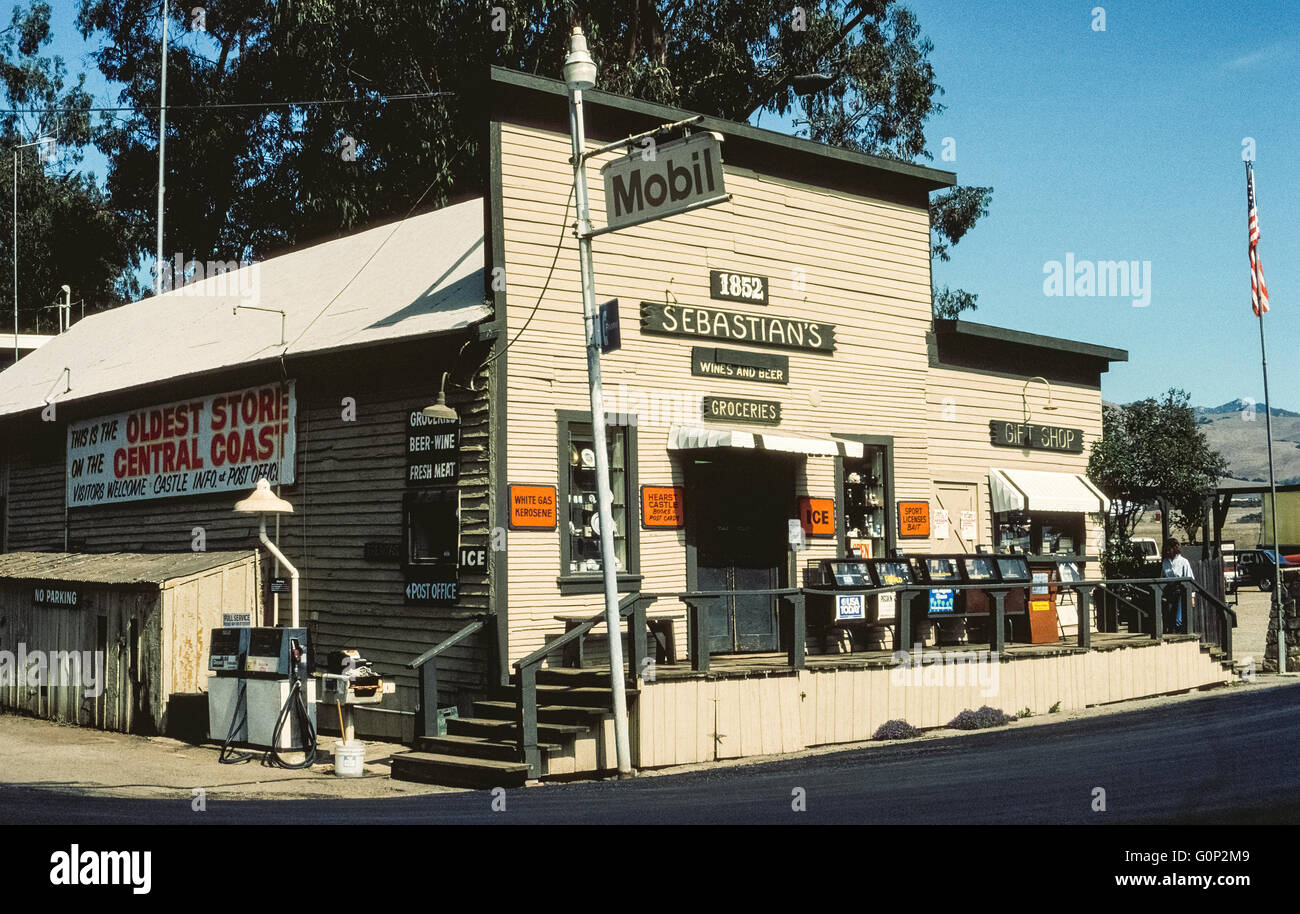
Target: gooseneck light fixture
column 263, row 502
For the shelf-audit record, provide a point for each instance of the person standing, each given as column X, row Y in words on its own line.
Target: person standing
column 1175, row 566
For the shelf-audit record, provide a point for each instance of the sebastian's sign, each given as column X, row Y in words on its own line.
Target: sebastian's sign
column 224, row 443
column 1038, row 437
column 756, row 329
column 681, row 176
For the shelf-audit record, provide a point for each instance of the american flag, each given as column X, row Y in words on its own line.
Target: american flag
column 1258, row 291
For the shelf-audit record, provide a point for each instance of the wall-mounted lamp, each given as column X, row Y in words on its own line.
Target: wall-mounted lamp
column 441, row 410
column 1024, row 396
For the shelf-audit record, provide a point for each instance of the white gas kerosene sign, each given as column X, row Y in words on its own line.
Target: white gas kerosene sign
column 220, row 443
column 641, row 186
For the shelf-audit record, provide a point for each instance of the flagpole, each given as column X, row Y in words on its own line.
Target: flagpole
column 1272, row 484
column 1272, row 495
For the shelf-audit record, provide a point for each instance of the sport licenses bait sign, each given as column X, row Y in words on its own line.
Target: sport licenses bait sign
column 222, row 443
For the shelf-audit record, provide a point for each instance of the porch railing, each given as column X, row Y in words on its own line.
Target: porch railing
column 426, row 719
column 1210, row 618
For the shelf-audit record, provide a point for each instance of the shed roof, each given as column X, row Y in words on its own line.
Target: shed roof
column 114, row 567
column 422, row 275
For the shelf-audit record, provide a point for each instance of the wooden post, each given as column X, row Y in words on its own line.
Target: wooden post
column 526, row 719
column 798, row 632
column 1085, row 616
column 426, row 722
column 998, row 623
column 1158, row 616
column 698, row 613
column 903, row 620
column 636, row 639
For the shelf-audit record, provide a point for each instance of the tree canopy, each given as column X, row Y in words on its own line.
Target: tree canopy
column 244, row 182
column 1152, row 449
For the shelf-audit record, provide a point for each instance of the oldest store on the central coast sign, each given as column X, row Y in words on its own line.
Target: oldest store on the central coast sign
column 782, row 395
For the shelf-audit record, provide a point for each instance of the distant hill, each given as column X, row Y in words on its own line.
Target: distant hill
column 1236, row 430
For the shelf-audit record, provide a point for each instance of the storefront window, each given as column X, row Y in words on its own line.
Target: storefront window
column 865, row 502
column 580, row 521
column 432, row 527
column 1041, row 533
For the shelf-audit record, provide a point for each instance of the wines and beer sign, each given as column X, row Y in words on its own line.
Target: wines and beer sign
column 221, row 443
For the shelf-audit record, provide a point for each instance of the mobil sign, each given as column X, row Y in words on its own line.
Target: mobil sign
column 662, row 180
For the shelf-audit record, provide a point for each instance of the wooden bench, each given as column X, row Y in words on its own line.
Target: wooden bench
column 659, row 624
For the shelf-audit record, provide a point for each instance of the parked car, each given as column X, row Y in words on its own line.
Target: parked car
column 1255, row 566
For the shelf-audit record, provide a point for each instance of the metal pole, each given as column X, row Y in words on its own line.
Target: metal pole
column 162, row 151
column 604, row 497
column 14, row 251
column 1272, row 490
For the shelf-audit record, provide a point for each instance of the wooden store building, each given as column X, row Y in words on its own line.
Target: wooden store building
column 779, row 377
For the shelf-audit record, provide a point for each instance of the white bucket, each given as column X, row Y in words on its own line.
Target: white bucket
column 349, row 759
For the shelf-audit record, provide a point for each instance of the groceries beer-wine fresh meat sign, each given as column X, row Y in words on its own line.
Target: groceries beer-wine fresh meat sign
column 221, row 443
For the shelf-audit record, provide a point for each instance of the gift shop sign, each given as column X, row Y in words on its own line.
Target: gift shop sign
column 221, row 443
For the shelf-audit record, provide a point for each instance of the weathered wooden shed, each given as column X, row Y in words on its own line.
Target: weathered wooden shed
column 109, row 641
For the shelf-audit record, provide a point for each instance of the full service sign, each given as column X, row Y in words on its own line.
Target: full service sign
column 223, row 443
column 681, row 175
column 1038, row 437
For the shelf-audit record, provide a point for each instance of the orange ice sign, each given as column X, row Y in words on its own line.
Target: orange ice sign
column 532, row 507
column 914, row 518
column 817, row 516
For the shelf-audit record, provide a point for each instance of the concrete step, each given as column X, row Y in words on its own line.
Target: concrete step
column 458, row 771
column 477, row 747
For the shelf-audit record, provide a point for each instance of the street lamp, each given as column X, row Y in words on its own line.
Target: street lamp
column 580, row 74
column 263, row 502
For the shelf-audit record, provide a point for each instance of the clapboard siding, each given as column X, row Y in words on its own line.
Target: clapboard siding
column 861, row 264
column 963, row 402
column 348, row 491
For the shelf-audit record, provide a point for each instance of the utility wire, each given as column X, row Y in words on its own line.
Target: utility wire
column 408, row 96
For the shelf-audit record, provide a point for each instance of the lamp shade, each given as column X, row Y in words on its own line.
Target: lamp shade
column 579, row 68
column 263, row 501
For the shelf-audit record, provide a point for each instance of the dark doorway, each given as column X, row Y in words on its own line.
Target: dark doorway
column 738, row 507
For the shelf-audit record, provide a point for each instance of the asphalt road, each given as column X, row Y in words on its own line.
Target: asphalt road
column 1229, row 758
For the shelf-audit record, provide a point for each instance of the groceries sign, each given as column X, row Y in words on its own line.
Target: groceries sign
column 674, row 178
column 222, row 443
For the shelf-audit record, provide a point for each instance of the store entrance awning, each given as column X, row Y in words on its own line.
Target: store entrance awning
column 697, row 437
column 1035, row 490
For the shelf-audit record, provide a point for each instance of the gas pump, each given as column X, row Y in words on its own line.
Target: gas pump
column 262, row 696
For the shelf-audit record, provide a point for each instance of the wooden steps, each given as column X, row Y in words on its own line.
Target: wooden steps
column 458, row 770
column 574, row 732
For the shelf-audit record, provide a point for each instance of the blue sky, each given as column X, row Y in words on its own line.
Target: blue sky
column 1122, row 144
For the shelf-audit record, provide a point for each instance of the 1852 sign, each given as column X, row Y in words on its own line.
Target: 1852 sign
column 1038, row 437
column 432, row 450
column 671, row 319
column 741, row 287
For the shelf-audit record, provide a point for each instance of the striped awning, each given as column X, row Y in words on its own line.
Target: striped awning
column 1036, row 490
column 697, row 437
